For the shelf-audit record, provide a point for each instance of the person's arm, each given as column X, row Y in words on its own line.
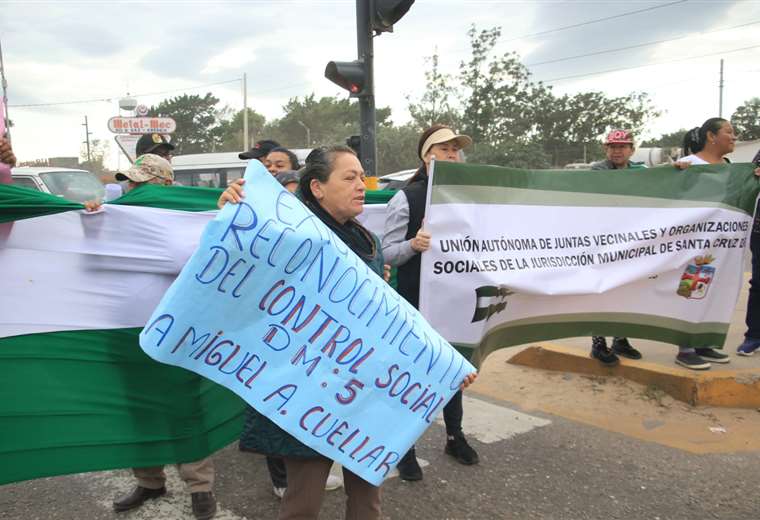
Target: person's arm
column 397, row 250
column 6, row 153
column 233, row 194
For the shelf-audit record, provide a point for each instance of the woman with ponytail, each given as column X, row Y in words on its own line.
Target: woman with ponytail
column 707, row 144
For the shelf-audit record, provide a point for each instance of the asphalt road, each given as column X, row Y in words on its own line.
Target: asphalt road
column 533, row 466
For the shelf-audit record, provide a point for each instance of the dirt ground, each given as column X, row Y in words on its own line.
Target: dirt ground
column 622, row 406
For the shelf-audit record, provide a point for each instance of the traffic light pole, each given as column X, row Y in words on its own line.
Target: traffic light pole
column 368, row 125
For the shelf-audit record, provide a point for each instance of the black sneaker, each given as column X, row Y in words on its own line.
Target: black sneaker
column 622, row 347
column 691, row 360
column 408, row 467
column 457, row 447
column 712, row 355
column 601, row 352
column 204, row 505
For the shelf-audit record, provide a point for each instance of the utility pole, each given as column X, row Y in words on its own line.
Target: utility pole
column 358, row 76
column 366, row 55
column 720, row 89
column 245, row 113
column 308, row 133
column 4, row 85
column 87, row 139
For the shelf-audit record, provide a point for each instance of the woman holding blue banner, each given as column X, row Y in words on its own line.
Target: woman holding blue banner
column 332, row 187
column 404, row 241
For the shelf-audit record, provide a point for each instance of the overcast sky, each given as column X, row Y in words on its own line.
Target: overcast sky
column 65, row 51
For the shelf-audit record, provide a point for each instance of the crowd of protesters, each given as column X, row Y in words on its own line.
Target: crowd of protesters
column 330, row 184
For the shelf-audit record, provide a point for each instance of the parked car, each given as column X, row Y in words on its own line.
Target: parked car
column 395, row 180
column 69, row 183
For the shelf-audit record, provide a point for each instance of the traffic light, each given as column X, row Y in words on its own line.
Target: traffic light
column 351, row 75
column 387, row 12
column 373, row 17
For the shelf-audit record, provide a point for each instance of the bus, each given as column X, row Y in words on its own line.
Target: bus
column 215, row 170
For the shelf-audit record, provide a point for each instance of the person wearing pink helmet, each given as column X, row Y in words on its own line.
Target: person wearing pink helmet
column 619, row 148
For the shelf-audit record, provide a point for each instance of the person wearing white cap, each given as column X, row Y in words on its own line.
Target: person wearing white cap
column 403, row 242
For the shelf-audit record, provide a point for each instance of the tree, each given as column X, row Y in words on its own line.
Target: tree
column 439, row 103
column 500, row 99
column 199, row 128
column 515, row 120
column 329, row 120
column 231, row 130
column 99, row 149
column 669, row 140
column 746, row 120
column 397, row 148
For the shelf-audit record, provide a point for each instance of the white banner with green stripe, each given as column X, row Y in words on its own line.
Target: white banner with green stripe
column 519, row 256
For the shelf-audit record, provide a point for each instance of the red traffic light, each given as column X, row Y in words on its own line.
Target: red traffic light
column 350, row 75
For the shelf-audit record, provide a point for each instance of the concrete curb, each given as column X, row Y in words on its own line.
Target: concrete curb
column 726, row 388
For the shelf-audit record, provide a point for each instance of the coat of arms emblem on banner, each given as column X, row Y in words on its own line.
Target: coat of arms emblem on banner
column 696, row 278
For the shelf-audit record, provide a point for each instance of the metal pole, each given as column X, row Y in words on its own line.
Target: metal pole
column 367, row 97
column 308, row 133
column 4, row 85
column 87, row 140
column 246, row 143
column 720, row 89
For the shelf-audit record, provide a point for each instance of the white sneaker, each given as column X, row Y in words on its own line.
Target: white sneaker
column 333, row 482
column 279, row 492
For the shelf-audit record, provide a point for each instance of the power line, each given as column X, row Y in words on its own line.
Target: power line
column 574, row 76
column 597, row 20
column 639, row 45
column 110, row 99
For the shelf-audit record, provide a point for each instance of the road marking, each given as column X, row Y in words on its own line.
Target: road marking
column 484, row 421
column 489, row 423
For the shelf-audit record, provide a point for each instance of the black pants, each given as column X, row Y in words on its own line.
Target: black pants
column 452, row 417
column 753, row 301
column 276, row 467
column 452, row 414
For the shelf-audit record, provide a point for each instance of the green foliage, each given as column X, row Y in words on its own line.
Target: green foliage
column 669, row 140
column 513, row 118
column 513, row 155
column 231, row 130
column 439, row 102
column 330, row 120
column 397, row 148
column 99, row 149
column 199, row 127
column 746, row 120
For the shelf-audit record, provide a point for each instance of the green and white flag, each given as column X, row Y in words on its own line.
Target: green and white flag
column 77, row 392
column 521, row 256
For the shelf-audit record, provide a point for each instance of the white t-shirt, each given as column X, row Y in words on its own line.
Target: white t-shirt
column 693, row 159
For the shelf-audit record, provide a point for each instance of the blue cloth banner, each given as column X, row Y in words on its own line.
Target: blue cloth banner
column 276, row 308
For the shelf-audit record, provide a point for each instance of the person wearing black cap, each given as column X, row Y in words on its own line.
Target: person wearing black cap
column 260, row 150
column 156, row 144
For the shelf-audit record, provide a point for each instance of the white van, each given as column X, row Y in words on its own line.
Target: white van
column 215, row 170
column 71, row 184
